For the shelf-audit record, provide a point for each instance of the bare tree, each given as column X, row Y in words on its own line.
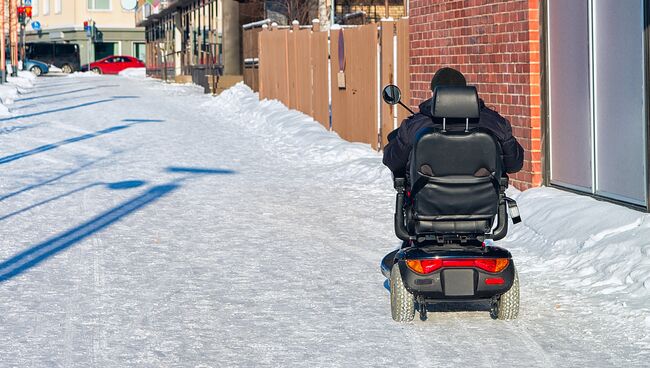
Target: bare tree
column 301, row 10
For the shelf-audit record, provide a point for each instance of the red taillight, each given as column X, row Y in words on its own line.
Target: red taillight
column 492, row 265
column 494, row 281
column 425, row 266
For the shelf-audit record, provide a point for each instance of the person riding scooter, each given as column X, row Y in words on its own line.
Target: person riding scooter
column 401, row 141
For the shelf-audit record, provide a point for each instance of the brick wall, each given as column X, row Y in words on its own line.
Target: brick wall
column 496, row 45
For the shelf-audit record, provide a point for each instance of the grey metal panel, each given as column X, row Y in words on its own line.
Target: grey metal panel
column 619, row 100
column 569, row 93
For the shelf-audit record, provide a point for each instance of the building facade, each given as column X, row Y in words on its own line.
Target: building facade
column 63, row 21
column 192, row 40
column 570, row 75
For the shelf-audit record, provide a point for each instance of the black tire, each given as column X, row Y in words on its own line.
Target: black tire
column 67, row 69
column 37, row 71
column 96, row 70
column 402, row 303
column 507, row 306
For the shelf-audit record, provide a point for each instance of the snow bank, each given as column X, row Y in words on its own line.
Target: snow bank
column 603, row 247
column 9, row 91
column 4, row 110
column 593, row 246
column 23, row 80
column 135, row 73
column 299, row 136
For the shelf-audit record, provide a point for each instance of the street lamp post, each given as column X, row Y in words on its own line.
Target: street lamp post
column 13, row 36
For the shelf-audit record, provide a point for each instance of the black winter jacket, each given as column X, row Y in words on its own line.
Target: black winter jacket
column 401, row 141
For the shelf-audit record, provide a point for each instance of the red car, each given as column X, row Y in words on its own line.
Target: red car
column 114, row 64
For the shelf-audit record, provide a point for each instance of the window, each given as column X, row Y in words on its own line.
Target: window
column 46, row 7
column 65, row 49
column 597, row 84
column 139, row 50
column 40, row 51
column 57, row 6
column 35, row 7
column 99, row 4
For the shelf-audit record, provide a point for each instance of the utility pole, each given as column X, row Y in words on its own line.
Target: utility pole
column 22, row 21
column 3, row 63
column 13, row 36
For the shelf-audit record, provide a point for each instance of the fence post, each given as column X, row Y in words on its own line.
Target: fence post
column 262, row 57
column 387, row 77
column 403, row 65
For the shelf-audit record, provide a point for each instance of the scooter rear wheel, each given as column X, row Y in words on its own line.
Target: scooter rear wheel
column 507, row 306
column 402, row 303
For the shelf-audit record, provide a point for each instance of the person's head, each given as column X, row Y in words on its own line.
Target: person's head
column 447, row 77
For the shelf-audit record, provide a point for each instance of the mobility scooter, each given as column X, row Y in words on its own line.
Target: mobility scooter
column 450, row 208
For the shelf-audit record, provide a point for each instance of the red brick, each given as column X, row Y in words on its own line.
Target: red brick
column 496, row 45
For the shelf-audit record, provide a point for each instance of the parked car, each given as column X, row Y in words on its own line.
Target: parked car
column 62, row 55
column 113, row 64
column 37, row 67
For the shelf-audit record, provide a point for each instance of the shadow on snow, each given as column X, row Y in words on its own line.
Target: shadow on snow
column 51, row 146
column 38, row 253
column 63, row 93
column 50, row 180
column 115, row 186
column 57, row 110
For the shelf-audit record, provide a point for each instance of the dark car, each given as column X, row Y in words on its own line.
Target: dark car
column 113, row 64
column 62, row 55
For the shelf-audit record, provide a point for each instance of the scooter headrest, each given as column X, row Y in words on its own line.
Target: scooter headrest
column 455, row 102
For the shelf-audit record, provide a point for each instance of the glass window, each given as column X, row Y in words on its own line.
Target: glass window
column 568, row 56
column 34, row 7
column 139, row 51
column 57, row 6
column 42, row 50
column 46, row 7
column 597, row 85
column 99, row 5
column 65, row 49
column 619, row 98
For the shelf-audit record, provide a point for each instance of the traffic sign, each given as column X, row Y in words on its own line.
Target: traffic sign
column 36, row 25
column 27, row 2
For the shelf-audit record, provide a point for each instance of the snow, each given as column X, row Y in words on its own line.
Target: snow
column 137, row 73
column 84, row 75
column 14, row 86
column 146, row 224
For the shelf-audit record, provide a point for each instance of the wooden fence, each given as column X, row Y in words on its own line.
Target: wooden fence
column 304, row 68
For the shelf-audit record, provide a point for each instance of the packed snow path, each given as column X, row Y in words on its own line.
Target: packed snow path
column 147, row 225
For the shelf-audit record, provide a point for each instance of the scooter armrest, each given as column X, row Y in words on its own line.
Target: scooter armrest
column 513, row 210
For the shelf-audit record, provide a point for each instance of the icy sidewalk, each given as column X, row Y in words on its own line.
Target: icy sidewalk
column 149, row 225
column 602, row 248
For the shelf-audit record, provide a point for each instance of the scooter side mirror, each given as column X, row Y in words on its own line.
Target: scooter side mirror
column 391, row 94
